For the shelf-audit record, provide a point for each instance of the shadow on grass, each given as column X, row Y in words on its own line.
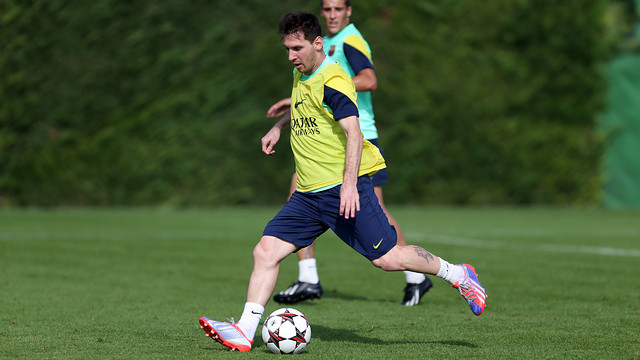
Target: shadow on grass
column 339, row 295
column 334, row 294
column 329, row 334
column 344, row 335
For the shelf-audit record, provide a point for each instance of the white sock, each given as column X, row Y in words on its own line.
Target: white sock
column 250, row 319
column 449, row 272
column 307, row 271
column 413, row 277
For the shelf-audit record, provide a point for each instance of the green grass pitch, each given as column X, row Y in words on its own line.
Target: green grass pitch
column 132, row 283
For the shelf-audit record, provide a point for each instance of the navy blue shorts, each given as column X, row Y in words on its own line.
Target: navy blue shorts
column 379, row 178
column 308, row 215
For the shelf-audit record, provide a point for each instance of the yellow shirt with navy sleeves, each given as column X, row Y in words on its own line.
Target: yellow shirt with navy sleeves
column 317, row 140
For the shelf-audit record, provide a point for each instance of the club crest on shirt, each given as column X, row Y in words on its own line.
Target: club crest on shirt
column 332, row 49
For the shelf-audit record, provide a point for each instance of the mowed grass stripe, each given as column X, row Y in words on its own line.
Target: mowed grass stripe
column 477, row 243
column 411, row 237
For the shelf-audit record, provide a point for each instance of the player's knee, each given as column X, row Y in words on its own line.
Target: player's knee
column 262, row 252
column 388, row 262
column 270, row 251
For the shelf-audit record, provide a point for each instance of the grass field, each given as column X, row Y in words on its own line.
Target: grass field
column 131, row 284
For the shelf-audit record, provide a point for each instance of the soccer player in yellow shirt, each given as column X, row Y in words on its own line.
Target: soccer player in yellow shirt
column 334, row 191
column 344, row 44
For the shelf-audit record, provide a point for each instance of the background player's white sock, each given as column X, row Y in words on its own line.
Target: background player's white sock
column 250, row 319
column 414, row 277
column 449, row 272
column 307, row 271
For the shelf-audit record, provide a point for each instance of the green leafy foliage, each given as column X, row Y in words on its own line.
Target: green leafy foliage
column 118, row 103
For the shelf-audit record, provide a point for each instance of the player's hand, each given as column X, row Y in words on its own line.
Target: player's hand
column 270, row 140
column 280, row 108
column 349, row 201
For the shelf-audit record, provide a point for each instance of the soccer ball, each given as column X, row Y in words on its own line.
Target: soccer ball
column 286, row 331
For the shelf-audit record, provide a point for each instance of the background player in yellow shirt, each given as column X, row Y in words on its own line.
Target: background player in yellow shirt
column 334, row 191
column 344, row 44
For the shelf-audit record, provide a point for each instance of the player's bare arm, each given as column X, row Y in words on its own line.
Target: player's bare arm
column 349, row 198
column 365, row 80
column 273, row 136
column 280, row 108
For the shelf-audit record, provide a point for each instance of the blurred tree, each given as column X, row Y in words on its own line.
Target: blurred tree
column 139, row 102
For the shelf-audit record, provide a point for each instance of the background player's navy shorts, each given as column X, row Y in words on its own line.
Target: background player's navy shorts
column 308, row 215
column 380, row 177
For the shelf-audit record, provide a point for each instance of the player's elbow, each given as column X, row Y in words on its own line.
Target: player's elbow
column 371, row 84
column 366, row 80
column 372, row 79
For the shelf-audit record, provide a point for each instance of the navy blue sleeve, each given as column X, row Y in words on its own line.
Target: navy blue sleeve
column 339, row 103
column 357, row 60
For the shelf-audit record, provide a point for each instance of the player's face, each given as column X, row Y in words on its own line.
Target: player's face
column 303, row 54
column 336, row 15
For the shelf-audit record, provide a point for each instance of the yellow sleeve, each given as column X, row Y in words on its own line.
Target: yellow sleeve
column 358, row 43
column 343, row 85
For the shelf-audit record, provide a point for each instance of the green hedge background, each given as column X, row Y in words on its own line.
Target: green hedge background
column 163, row 102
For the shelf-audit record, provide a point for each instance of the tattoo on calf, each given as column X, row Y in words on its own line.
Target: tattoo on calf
column 423, row 253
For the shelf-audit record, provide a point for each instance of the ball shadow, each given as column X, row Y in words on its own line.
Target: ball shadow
column 329, row 334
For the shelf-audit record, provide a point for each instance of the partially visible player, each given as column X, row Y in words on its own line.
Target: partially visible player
column 344, row 44
column 334, row 191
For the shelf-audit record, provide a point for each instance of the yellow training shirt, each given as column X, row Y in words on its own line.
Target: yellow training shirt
column 317, row 140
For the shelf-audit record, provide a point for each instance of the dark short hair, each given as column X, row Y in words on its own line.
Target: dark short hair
column 300, row 21
column 347, row 3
